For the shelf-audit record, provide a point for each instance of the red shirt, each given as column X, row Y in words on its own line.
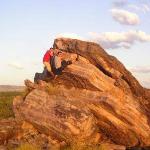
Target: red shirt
column 47, row 56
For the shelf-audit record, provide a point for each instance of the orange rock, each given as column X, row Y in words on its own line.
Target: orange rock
column 95, row 97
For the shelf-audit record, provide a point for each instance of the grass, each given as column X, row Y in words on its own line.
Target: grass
column 52, row 90
column 27, row 146
column 6, row 100
column 79, row 147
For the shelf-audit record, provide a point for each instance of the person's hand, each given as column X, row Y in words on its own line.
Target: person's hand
column 55, row 77
column 52, row 74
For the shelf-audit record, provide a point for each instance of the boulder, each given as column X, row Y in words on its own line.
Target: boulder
column 95, row 99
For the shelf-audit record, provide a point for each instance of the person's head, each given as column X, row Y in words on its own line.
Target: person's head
column 59, row 52
column 56, row 51
column 51, row 49
column 60, row 55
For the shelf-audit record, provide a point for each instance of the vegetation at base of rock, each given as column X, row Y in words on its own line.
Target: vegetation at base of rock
column 27, row 147
column 51, row 89
column 84, row 147
column 6, row 100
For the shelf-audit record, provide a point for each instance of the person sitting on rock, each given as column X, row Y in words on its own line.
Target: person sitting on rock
column 53, row 65
column 58, row 63
column 47, row 62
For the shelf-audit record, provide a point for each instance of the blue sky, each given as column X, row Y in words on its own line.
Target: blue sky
column 28, row 28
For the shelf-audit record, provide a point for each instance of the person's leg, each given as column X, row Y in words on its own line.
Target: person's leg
column 57, row 65
column 45, row 74
column 65, row 63
column 36, row 77
column 57, row 62
column 40, row 76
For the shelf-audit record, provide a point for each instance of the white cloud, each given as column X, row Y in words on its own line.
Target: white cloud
column 69, row 35
column 125, row 17
column 36, row 63
column 146, row 8
column 15, row 65
column 146, row 83
column 119, row 3
column 113, row 40
column 141, row 69
column 142, row 74
column 135, row 7
column 143, row 8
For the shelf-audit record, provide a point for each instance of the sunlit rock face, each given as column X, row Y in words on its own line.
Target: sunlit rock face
column 95, row 99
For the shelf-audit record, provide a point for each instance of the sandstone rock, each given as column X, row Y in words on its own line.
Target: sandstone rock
column 3, row 147
column 18, row 100
column 108, row 64
column 95, row 99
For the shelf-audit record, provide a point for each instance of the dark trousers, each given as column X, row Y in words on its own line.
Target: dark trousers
column 45, row 75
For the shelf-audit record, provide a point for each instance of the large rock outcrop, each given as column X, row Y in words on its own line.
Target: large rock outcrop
column 96, row 99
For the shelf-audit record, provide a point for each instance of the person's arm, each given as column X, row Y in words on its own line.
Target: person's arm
column 48, row 66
